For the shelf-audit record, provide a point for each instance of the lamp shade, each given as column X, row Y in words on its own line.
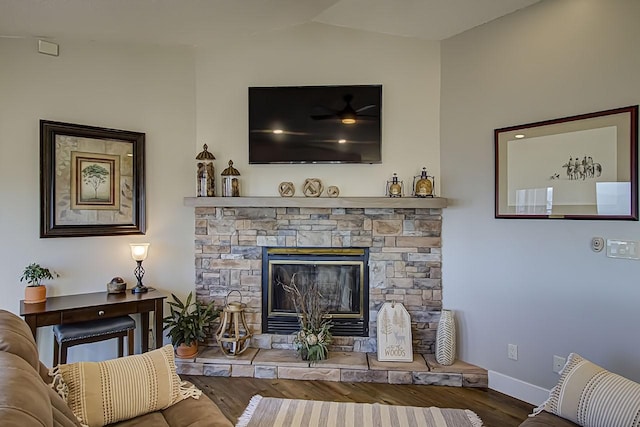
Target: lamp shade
column 139, row 251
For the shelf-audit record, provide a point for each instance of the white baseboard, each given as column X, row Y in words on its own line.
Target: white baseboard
column 518, row 389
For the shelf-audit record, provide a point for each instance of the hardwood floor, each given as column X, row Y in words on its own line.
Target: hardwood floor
column 232, row 396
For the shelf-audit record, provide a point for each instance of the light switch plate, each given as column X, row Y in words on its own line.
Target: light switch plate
column 626, row 249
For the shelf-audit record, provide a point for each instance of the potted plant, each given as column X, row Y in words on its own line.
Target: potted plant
column 34, row 274
column 188, row 322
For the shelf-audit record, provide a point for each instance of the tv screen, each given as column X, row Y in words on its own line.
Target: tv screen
column 315, row 124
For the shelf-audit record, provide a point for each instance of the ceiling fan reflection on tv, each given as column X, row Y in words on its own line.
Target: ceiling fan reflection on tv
column 347, row 115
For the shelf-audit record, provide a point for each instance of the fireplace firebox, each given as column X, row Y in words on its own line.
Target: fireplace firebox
column 341, row 275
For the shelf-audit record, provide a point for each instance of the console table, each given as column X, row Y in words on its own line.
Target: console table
column 98, row 305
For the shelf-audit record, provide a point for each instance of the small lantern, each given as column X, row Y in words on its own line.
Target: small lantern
column 394, row 187
column 233, row 334
column 230, row 181
column 206, row 186
column 423, row 185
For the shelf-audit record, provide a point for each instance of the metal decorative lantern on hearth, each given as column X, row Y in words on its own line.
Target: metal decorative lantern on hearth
column 233, row 334
column 206, row 178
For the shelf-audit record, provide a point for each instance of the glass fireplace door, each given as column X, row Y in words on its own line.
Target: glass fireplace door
column 341, row 276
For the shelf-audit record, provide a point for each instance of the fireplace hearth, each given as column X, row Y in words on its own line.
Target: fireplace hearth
column 341, row 275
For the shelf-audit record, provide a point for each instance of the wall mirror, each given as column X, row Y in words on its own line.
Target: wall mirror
column 579, row 167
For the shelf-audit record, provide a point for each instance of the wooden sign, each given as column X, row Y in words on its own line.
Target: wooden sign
column 394, row 333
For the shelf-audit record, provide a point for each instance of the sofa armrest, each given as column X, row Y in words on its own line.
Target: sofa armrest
column 26, row 400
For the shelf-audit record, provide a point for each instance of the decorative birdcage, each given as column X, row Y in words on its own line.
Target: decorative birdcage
column 230, row 181
column 206, row 179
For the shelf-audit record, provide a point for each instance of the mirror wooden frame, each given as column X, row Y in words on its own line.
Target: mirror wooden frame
column 66, row 150
column 578, row 167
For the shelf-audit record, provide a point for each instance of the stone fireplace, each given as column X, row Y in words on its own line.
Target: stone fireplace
column 404, row 256
column 402, row 236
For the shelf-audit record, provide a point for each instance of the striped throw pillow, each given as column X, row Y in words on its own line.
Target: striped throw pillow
column 591, row 396
column 101, row 393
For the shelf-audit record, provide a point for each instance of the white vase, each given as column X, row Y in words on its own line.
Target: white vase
column 446, row 339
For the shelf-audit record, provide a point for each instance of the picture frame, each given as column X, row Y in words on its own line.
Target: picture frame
column 91, row 181
column 577, row 167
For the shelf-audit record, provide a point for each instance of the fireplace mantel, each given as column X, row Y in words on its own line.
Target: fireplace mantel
column 318, row 202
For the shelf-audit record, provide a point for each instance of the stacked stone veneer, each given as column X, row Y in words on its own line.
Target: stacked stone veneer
column 405, row 260
column 340, row 366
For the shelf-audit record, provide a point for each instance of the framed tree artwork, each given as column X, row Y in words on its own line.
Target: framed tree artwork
column 578, row 167
column 92, row 181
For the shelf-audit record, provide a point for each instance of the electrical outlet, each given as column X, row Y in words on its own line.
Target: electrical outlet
column 558, row 363
column 512, row 351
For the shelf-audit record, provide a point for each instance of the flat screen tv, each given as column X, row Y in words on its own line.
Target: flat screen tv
column 315, row 124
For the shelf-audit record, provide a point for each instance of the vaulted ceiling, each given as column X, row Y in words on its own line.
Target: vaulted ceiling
column 191, row 22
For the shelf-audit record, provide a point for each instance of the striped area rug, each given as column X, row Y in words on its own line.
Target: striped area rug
column 274, row 412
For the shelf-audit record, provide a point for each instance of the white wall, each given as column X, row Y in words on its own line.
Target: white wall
column 317, row 54
column 535, row 283
column 145, row 89
column 182, row 100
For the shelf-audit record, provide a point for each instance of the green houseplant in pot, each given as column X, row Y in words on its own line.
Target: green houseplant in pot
column 34, row 274
column 188, row 322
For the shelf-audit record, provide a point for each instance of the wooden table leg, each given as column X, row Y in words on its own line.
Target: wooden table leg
column 31, row 321
column 144, row 320
column 158, row 315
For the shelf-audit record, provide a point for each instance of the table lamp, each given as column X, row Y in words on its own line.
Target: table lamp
column 139, row 253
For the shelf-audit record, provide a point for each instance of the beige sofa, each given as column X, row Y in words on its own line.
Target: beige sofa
column 27, row 400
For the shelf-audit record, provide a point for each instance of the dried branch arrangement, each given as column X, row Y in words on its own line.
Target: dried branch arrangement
column 314, row 336
column 308, row 303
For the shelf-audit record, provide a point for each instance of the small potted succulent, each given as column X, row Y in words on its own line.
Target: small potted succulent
column 34, row 274
column 188, row 322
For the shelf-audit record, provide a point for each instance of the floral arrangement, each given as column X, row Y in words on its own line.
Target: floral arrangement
column 311, row 342
column 315, row 330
